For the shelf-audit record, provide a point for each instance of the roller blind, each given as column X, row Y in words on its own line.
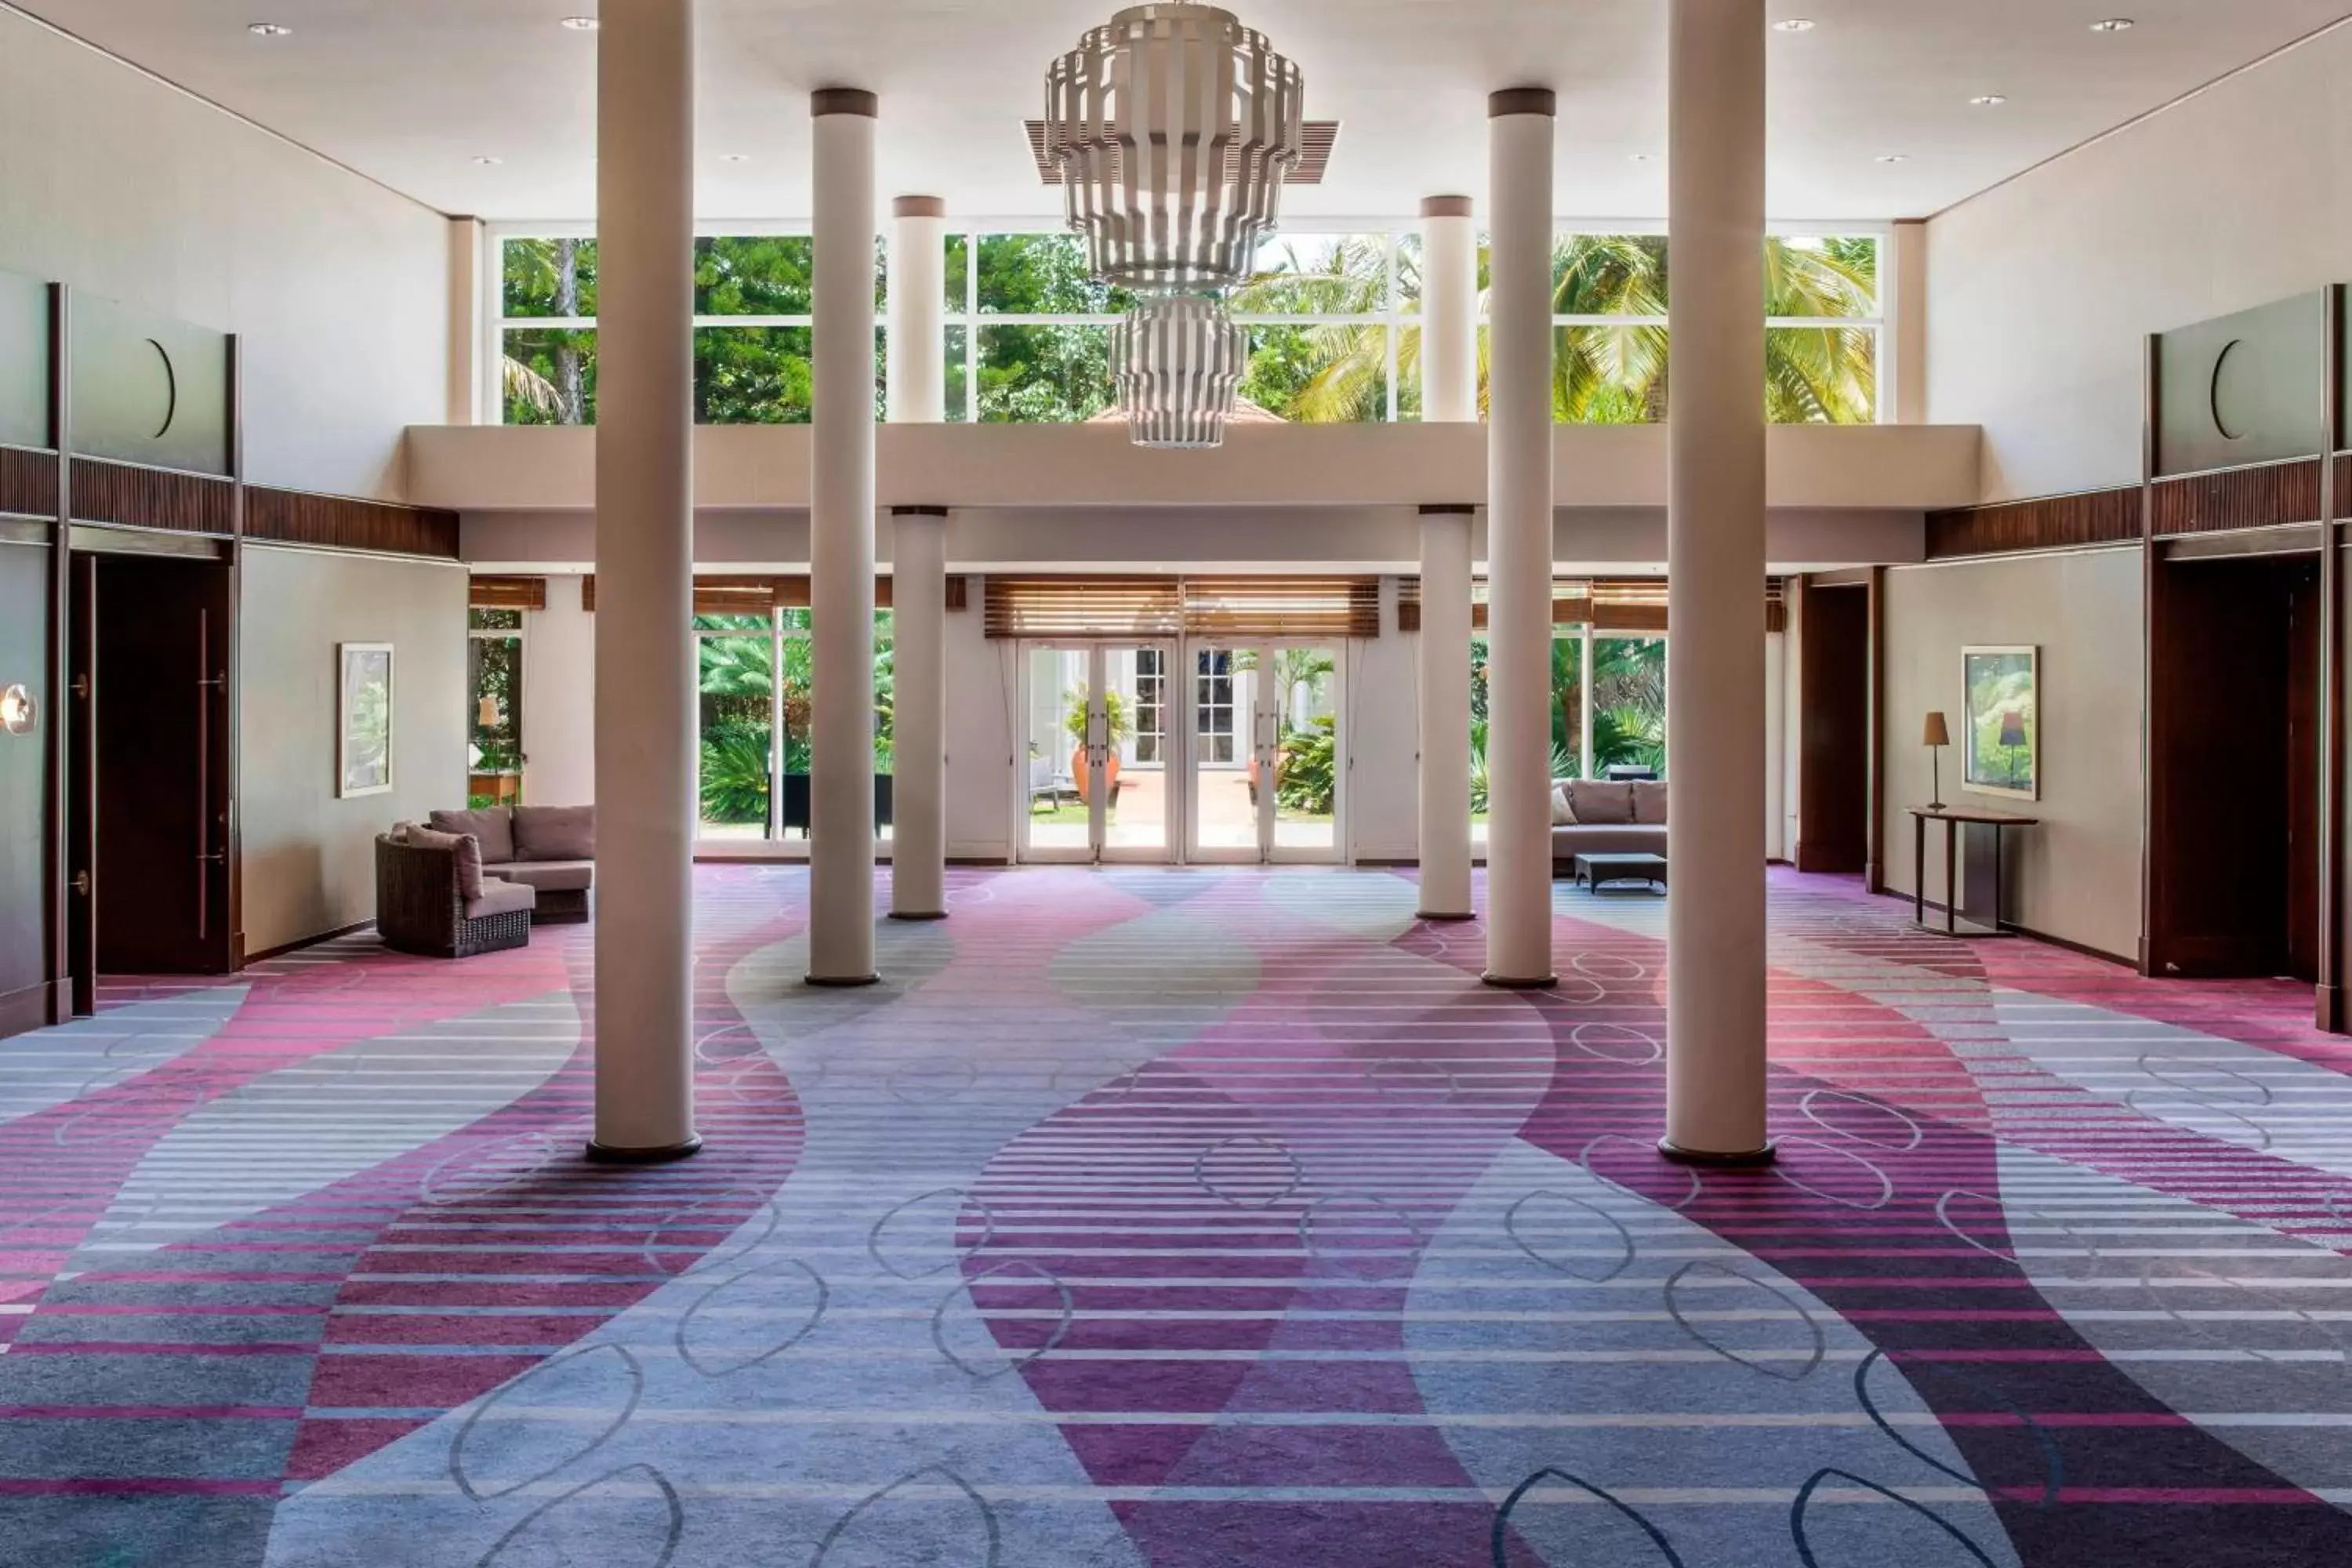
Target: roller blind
column 754, row 596
column 1229, row 607
column 507, row 593
column 1610, row 604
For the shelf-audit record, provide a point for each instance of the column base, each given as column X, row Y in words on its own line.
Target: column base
column 1751, row 1160
column 844, row 981
column 661, row 1154
column 1504, row 983
column 1426, row 915
column 909, row 915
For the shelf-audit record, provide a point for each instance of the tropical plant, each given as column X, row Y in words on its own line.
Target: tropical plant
column 734, row 773
column 1115, row 714
column 1305, row 777
column 1602, row 374
column 1563, row 765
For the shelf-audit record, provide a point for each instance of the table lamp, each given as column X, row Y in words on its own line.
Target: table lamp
column 1937, row 735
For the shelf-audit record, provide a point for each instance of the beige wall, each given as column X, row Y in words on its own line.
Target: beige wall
column 112, row 182
column 2078, row 876
column 309, row 857
column 2042, row 290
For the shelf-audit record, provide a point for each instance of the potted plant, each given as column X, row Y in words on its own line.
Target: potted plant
column 1121, row 727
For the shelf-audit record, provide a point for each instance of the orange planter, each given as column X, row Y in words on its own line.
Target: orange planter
column 1081, row 772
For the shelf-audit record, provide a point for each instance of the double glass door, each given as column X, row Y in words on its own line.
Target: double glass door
column 1268, row 761
column 1101, row 755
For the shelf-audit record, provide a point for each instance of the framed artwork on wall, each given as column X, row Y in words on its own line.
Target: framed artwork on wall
column 362, row 719
column 2003, row 747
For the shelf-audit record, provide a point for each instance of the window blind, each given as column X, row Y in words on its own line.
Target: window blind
column 757, row 595
column 507, row 593
column 1233, row 608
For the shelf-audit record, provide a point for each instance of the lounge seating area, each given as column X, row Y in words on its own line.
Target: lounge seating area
column 476, row 881
column 1606, row 817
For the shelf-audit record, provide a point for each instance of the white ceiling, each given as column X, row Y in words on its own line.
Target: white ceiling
column 412, row 91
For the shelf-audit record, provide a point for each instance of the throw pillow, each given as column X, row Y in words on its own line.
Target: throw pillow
column 1600, row 802
column 555, row 832
column 1562, row 813
column 468, row 849
column 492, row 826
column 1650, row 804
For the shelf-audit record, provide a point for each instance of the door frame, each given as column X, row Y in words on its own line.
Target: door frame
column 1098, row 849
column 1264, row 734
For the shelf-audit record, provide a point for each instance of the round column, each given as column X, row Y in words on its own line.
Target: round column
column 645, row 564
column 1445, row 653
column 917, row 341
column 919, row 792
column 1449, row 313
column 1518, row 540
column 841, row 544
column 1715, row 564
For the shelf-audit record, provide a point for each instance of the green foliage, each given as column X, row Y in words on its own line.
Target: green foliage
column 1115, row 715
column 1307, row 779
column 734, row 773
column 1563, row 765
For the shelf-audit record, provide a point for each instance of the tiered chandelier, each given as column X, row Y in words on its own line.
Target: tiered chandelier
column 1177, row 360
column 1173, row 127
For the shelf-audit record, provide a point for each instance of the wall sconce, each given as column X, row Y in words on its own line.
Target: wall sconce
column 18, row 712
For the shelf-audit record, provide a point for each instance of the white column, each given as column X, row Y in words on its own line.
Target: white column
column 1444, row 650
column 918, row 784
column 841, row 545
column 1715, row 566
column 1584, row 701
column 468, row 379
column 1903, row 299
column 917, row 392
column 917, row 341
column 1518, row 539
column 645, row 566
column 1449, row 312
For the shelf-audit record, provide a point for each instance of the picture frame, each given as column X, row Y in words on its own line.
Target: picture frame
column 2001, row 703
column 363, row 719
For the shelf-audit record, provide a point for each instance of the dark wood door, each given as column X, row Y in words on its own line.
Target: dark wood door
column 1833, row 730
column 161, row 722
column 2303, row 765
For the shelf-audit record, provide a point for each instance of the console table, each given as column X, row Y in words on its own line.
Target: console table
column 1954, row 817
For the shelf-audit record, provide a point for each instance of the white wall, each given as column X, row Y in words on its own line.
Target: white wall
column 559, row 699
column 115, row 182
column 1383, row 724
column 2043, row 290
column 2078, row 876
column 308, row 857
column 983, row 694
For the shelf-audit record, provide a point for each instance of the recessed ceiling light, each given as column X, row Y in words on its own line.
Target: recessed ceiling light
column 1894, row 157
column 1795, row 24
column 267, row 29
column 487, row 162
column 1639, row 157
column 1988, row 100
column 582, row 23
column 734, row 157
column 2114, row 25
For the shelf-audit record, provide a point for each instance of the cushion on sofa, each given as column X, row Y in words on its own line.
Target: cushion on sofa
column 1599, row 802
column 1562, row 813
column 499, row 897
column 549, row 875
column 465, row 846
column 554, row 832
column 1650, row 803
column 492, row 826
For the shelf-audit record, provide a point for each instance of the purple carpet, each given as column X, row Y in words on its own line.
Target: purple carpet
column 1186, row 1218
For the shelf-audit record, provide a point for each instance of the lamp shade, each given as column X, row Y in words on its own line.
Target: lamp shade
column 1936, row 733
column 2012, row 727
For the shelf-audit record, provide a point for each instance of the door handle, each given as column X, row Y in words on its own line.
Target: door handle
column 81, row 883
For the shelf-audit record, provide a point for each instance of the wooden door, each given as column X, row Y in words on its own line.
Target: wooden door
column 161, row 721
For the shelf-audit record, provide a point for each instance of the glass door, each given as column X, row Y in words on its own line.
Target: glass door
column 1267, row 756
column 1100, row 778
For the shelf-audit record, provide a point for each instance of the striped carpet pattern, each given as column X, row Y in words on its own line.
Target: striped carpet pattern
column 1181, row 1218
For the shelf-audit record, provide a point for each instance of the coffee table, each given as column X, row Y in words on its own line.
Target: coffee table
column 1594, row 871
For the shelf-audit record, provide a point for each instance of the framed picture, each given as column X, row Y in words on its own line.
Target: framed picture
column 2003, row 747
column 363, row 719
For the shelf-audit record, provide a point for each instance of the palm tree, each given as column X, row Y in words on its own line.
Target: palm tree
column 1605, row 374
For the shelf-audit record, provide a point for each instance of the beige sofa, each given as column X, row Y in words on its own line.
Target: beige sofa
column 1606, row 818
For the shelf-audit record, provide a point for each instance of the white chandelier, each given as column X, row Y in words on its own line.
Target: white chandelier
column 1177, row 360
column 1173, row 128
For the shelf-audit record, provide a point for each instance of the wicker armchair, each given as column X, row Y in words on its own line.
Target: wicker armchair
column 418, row 907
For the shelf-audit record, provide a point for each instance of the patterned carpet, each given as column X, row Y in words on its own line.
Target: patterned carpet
column 1182, row 1219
